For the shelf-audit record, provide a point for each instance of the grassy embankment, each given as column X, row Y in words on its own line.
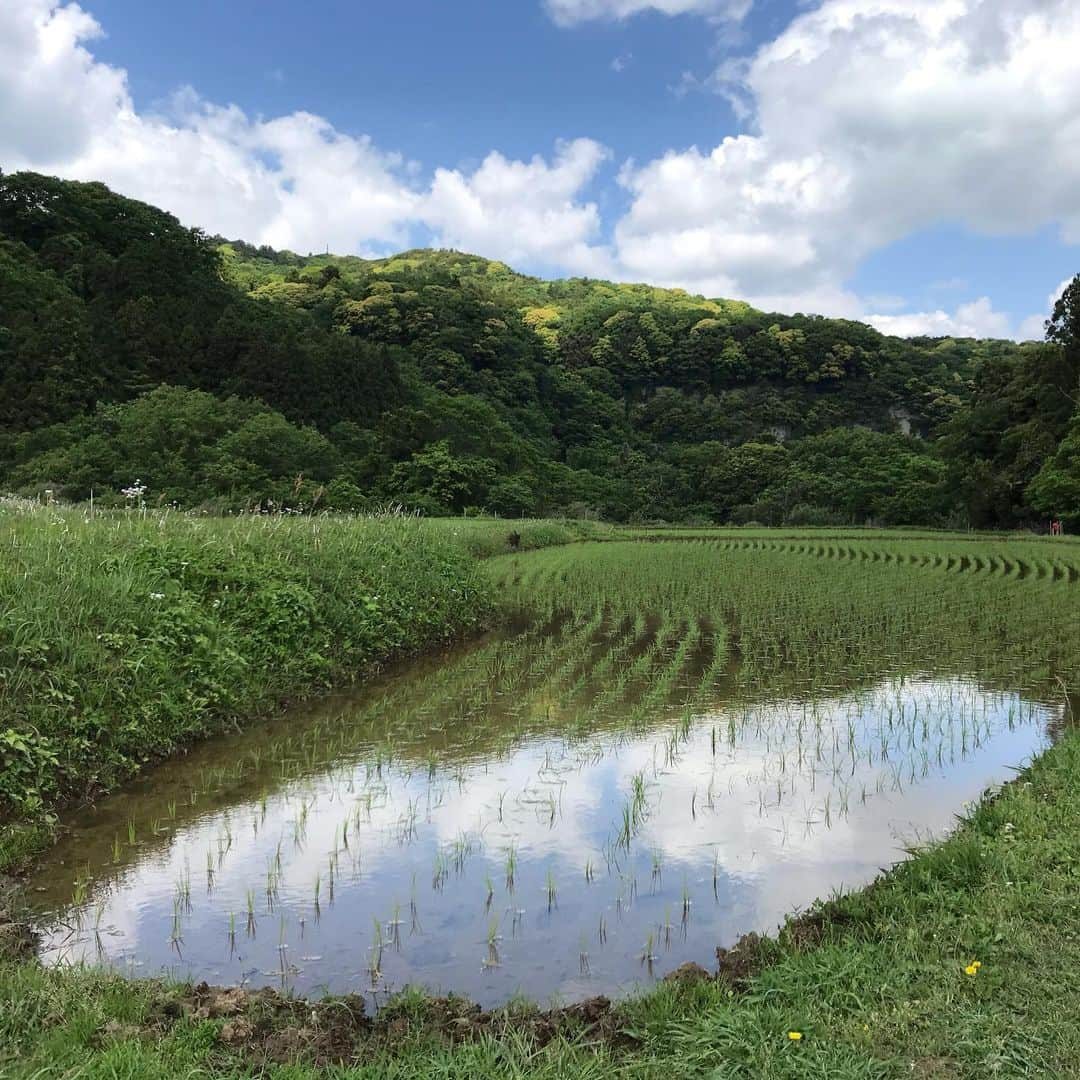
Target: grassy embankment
column 877, row 987
column 125, row 638
column 880, row 983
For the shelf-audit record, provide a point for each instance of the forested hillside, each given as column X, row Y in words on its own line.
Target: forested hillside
column 224, row 376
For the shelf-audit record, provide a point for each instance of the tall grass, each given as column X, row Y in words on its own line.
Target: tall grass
column 126, row 636
column 484, row 537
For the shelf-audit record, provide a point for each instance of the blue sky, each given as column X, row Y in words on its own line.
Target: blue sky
column 443, row 82
column 904, row 161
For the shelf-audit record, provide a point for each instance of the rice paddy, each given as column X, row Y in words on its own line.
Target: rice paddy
column 663, row 746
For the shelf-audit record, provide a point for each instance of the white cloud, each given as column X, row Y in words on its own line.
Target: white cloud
column 871, row 119
column 517, row 210
column 867, row 120
column 1033, row 328
column 51, row 90
column 291, row 181
column 571, row 12
column 977, row 319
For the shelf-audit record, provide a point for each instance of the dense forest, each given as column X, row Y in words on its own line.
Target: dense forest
column 224, row 377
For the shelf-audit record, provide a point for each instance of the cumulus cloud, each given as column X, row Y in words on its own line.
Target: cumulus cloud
column 1033, row 327
column 865, row 120
column 870, row 119
column 290, row 181
column 977, row 319
column 571, row 12
column 520, row 210
column 52, row 92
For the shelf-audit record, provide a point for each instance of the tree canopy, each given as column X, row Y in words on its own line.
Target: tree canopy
column 229, row 375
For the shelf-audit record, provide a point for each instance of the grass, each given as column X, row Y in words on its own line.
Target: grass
column 875, row 983
column 484, row 537
column 126, row 636
column 880, row 983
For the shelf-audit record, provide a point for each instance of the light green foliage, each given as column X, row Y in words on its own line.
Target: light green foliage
column 536, row 397
column 192, row 449
column 484, row 537
column 434, row 479
column 1055, row 491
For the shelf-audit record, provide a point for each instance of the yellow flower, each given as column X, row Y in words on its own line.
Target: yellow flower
column 972, row 969
column 794, row 1036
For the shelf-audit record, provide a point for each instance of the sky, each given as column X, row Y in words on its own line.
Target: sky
column 914, row 163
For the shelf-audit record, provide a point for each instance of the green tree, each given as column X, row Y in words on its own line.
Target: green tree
column 1055, row 491
column 434, row 479
column 742, row 474
column 1063, row 326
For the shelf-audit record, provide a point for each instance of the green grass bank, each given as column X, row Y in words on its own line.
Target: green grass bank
column 152, row 632
column 877, row 984
column 126, row 637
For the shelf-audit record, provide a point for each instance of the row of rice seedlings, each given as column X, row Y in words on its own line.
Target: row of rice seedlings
column 782, row 624
column 666, row 684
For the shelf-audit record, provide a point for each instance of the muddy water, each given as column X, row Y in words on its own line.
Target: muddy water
column 540, row 812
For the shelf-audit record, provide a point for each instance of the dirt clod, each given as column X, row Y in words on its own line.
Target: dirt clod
column 237, row 1032
column 212, row 1002
column 687, row 974
column 739, row 964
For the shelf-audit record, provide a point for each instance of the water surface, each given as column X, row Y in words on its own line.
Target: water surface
column 574, row 806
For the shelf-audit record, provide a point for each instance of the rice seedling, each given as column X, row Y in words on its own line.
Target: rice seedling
column 375, row 954
column 251, row 920
column 182, row 887
column 440, row 871
column 651, row 696
column 647, row 957
column 492, row 959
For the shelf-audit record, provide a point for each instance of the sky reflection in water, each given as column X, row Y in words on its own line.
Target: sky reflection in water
column 529, row 868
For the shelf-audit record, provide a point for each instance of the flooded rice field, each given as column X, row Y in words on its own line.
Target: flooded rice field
column 662, row 748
